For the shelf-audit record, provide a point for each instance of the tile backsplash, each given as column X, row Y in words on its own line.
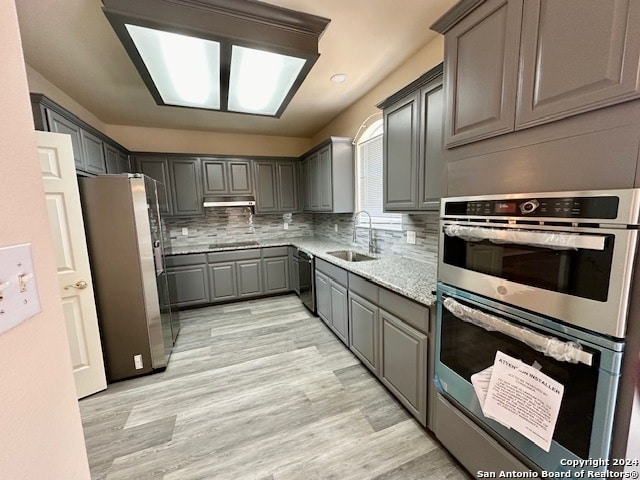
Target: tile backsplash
column 238, row 224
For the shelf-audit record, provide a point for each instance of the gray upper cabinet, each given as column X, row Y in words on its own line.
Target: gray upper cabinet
column 511, row 64
column 158, row 169
column 93, row 152
column 329, row 177
column 413, row 160
column 186, row 192
column 226, row 176
column 577, row 56
column 60, row 124
column 276, row 186
column 481, row 59
column 116, row 161
column 181, row 178
column 401, row 135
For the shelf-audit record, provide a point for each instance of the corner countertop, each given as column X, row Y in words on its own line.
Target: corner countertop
column 413, row 279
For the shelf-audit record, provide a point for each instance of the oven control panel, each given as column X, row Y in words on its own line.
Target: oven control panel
column 556, row 207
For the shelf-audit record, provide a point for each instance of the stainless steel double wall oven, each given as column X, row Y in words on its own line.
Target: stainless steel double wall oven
column 518, row 273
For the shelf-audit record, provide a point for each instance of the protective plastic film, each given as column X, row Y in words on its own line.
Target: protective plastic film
column 552, row 347
column 553, row 240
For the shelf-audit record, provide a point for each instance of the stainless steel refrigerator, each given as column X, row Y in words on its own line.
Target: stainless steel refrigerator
column 126, row 252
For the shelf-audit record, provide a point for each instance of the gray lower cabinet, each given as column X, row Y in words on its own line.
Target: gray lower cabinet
column 404, row 364
column 188, row 280
column 275, row 263
column 249, row 278
column 223, row 281
column 390, row 335
column 294, row 272
column 364, row 326
column 332, row 302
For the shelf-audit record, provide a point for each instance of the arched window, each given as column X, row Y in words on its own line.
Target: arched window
column 370, row 180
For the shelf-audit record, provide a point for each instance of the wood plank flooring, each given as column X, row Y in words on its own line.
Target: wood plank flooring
column 258, row 390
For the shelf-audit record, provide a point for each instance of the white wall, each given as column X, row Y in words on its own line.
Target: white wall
column 40, row 430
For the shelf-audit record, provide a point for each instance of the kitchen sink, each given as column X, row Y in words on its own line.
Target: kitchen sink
column 351, row 256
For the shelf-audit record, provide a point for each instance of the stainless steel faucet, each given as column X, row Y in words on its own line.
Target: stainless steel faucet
column 355, row 222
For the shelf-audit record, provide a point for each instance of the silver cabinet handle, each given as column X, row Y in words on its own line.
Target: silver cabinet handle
column 80, row 285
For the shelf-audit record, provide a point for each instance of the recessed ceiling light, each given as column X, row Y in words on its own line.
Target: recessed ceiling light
column 242, row 56
column 339, row 78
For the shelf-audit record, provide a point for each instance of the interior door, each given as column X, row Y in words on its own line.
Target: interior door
column 55, row 154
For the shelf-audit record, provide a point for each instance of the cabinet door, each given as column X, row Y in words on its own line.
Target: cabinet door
column 576, row 56
column 111, row 158
column 326, row 179
column 249, row 277
column 223, row 281
column 93, row 153
column 188, row 285
column 339, row 312
column 123, row 162
column 59, row 124
column 276, row 274
column 481, row 61
column 323, row 297
column 158, row 169
column 315, row 182
column 266, row 199
column 400, row 159
column 239, row 173
column 186, row 192
column 432, row 182
column 305, row 187
column 404, row 364
column 214, row 177
column 287, row 186
column 363, row 331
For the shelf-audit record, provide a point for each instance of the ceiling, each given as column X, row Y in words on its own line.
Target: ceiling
column 71, row 43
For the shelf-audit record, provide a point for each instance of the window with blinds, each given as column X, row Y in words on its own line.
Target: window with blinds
column 370, row 178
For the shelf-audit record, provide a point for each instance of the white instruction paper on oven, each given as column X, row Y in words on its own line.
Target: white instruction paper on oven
column 523, row 398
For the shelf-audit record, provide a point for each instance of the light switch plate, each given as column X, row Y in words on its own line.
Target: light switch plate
column 20, row 299
column 411, row 237
column 185, row 231
column 286, row 225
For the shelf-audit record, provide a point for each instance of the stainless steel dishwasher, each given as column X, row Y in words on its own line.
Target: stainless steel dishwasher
column 306, row 269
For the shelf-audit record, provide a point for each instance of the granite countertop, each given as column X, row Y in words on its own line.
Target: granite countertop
column 408, row 277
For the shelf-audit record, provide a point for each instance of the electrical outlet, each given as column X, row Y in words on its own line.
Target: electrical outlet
column 411, row 237
column 286, row 226
column 137, row 361
column 335, row 227
column 185, row 231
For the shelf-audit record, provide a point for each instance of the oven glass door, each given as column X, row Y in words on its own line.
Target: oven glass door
column 580, row 278
column 580, row 272
column 583, row 428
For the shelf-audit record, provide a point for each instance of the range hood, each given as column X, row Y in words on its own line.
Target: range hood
column 225, row 201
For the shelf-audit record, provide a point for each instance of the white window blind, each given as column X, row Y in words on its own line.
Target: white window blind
column 370, row 180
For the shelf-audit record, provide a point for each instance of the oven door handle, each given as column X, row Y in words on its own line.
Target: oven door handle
column 556, row 240
column 550, row 346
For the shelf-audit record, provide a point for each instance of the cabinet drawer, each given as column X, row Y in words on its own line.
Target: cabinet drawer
column 338, row 274
column 190, row 259
column 275, row 252
column 363, row 287
column 232, row 255
column 408, row 311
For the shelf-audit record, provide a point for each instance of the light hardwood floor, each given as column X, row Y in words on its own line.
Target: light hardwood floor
column 258, row 390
